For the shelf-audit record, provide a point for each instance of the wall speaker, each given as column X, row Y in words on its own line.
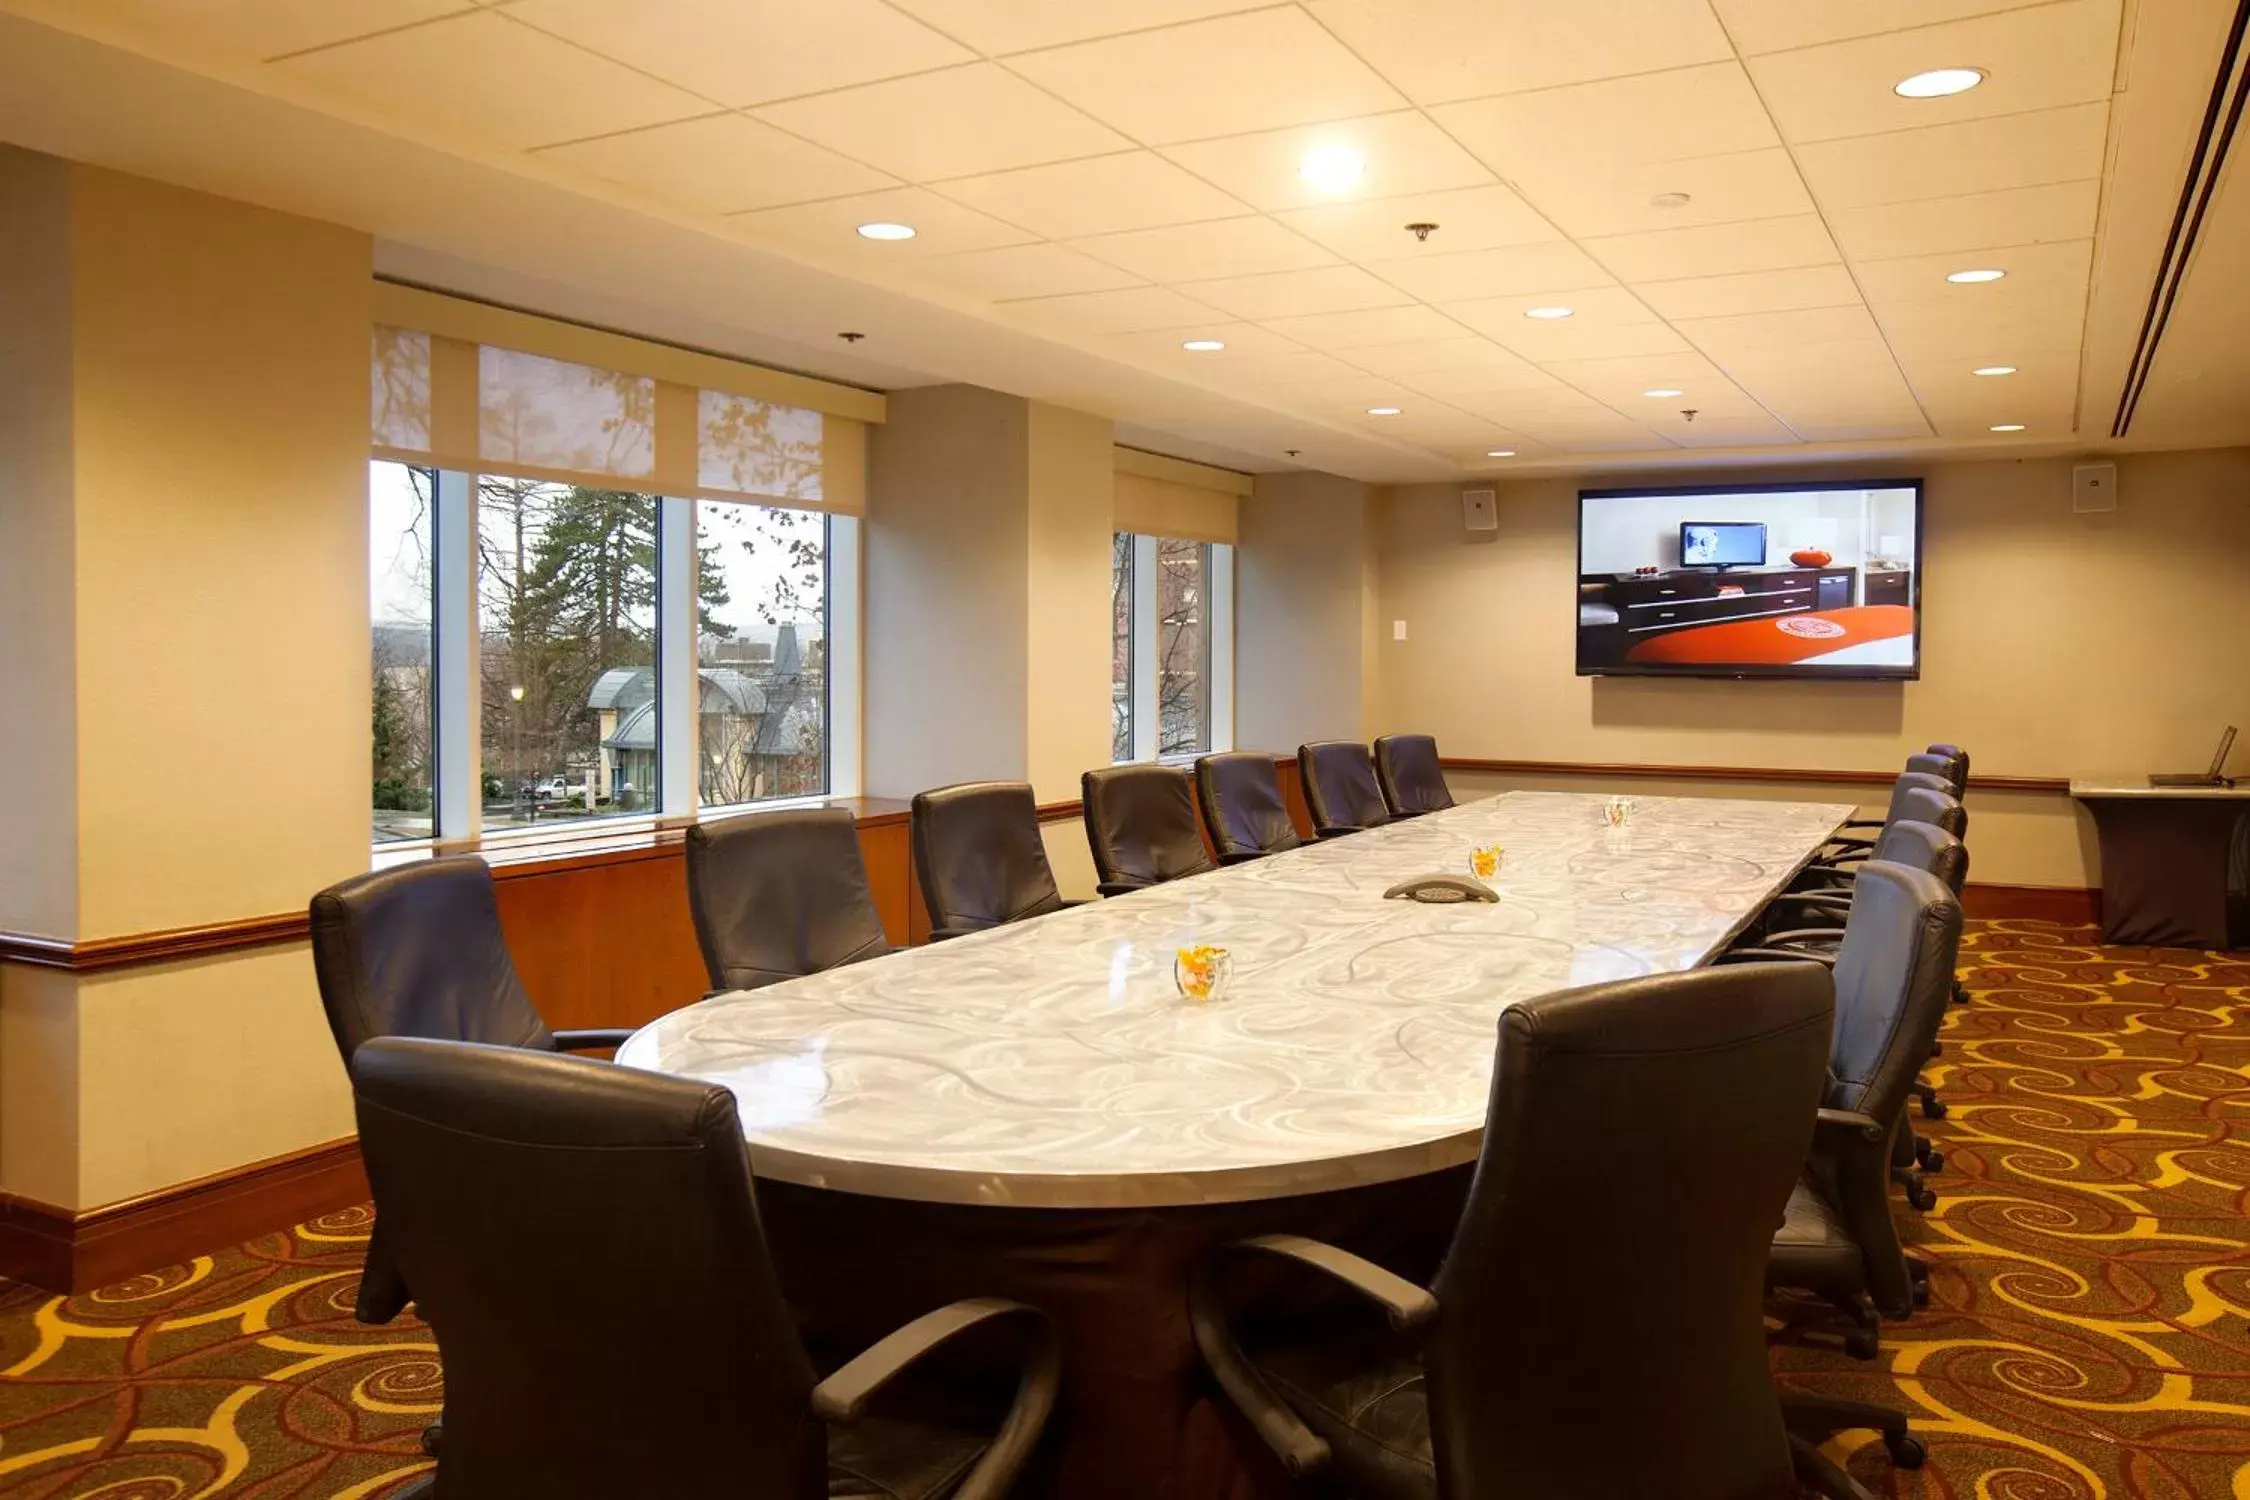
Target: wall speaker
column 2093, row 487
column 1480, row 510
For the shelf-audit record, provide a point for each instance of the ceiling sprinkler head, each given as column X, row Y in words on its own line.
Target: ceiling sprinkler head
column 1421, row 231
column 1292, row 452
column 1689, row 412
column 851, row 338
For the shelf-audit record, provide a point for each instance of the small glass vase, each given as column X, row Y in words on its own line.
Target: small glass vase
column 1202, row 973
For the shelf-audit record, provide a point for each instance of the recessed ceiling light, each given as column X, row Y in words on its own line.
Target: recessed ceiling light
column 1501, row 453
column 1382, row 411
column 1331, row 168
column 1670, row 200
column 1971, row 278
column 1663, row 392
column 883, row 229
column 1938, row 83
column 1994, row 370
column 1203, row 346
column 2007, row 427
column 1546, row 312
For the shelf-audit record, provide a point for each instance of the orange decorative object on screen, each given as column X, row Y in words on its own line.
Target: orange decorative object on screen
column 1810, row 557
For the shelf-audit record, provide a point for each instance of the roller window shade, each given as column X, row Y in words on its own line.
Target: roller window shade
column 1157, row 507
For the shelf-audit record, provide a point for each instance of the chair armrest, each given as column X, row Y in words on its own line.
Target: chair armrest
column 1116, row 888
column 592, row 1036
column 1826, row 900
column 1078, row 901
column 1338, row 831
column 1767, row 955
column 1241, row 856
column 843, row 1396
column 940, row 934
column 1849, row 1122
column 1409, row 1306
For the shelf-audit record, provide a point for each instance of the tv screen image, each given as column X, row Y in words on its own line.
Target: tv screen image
column 1813, row 579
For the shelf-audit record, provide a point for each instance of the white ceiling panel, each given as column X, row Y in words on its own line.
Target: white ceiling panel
column 1098, row 195
column 1779, row 25
column 273, row 28
column 1752, row 292
column 827, row 229
column 1951, row 161
column 1471, row 274
column 1000, row 26
column 1703, row 111
column 1292, row 294
column 1404, row 154
column 1409, row 361
column 2043, row 273
column 1717, row 249
column 1477, row 218
column 1248, row 246
column 1845, row 428
column 1608, row 435
column 1470, row 385
column 1131, row 311
column 2016, row 216
column 2037, row 58
column 1738, row 332
column 1013, row 271
column 750, row 51
column 954, row 123
column 511, row 85
column 1262, row 70
column 1347, row 395
column 1605, row 307
column 1542, row 342
column 1464, row 49
column 1865, row 360
column 1621, row 200
column 724, row 163
column 1260, row 374
column 1340, row 332
column 1625, row 383
column 1729, row 430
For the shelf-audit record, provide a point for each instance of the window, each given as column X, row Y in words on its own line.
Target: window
column 1172, row 647
column 761, row 652
column 401, row 502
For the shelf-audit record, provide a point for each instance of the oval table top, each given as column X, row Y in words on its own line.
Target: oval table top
column 1053, row 1062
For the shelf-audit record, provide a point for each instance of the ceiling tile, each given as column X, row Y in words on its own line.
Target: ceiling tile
column 1199, row 252
column 271, row 28
column 953, row 123
column 1604, row 307
column 750, row 51
column 1129, row 311
column 1952, row 161
column 725, row 163
column 2042, row 58
column 1420, row 357
column 1778, row 25
column 1554, row 403
column 1348, row 395
column 1542, row 342
column 1751, row 292
column 1612, row 434
column 1493, row 380
column 1258, row 71
column 1267, row 370
column 1098, row 195
column 1924, row 329
column 1022, row 271
column 1617, row 200
column 826, row 229
column 1470, row 274
column 1729, row 430
column 2035, row 272
column 1341, row 332
column 1404, row 153
column 1463, row 49
column 2014, row 216
column 1477, row 218
column 1703, row 111
column 1721, row 337
column 1717, row 249
column 1624, row 383
column 1862, row 356
column 1291, row 294
column 514, row 86
column 999, row 26
column 1843, row 428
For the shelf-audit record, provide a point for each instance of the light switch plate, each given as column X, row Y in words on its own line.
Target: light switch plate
column 1398, row 630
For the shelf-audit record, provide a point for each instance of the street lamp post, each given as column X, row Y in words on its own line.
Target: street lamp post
column 515, row 717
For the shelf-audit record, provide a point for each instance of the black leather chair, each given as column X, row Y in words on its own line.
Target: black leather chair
column 584, row 1241
column 1908, row 782
column 979, row 857
column 417, row 951
column 779, row 895
column 1894, row 973
column 1240, row 793
column 1340, row 787
column 1638, row 1150
column 1955, row 753
column 1950, row 769
column 1920, row 803
column 1140, row 823
column 1413, row 782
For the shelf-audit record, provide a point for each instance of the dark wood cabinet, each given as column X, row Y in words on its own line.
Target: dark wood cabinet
column 1617, row 611
column 1888, row 586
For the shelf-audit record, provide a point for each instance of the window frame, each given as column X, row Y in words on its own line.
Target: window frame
column 1144, row 672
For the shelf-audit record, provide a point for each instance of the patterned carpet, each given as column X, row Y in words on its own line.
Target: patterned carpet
column 2088, row 1334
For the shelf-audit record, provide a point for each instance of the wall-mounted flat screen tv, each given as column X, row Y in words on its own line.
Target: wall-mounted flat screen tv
column 1817, row 579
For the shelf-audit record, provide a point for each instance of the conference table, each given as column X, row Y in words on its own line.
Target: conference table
column 1035, row 1111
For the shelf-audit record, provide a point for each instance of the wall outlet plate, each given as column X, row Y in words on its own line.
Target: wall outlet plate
column 1480, row 510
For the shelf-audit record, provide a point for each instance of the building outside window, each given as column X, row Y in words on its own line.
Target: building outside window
column 401, row 502
column 1172, row 647
column 761, row 652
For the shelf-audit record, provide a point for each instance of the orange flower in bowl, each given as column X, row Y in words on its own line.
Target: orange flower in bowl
column 1202, row 971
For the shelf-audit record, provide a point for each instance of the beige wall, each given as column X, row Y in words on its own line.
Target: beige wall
column 1304, row 614
column 2054, row 644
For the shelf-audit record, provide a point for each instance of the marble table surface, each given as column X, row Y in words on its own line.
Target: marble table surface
column 1053, row 1063
column 2138, row 786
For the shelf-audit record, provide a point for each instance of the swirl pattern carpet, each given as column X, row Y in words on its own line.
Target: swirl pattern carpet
column 2088, row 1333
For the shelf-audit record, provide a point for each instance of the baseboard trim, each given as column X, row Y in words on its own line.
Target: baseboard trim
column 2072, row 905
column 64, row 1250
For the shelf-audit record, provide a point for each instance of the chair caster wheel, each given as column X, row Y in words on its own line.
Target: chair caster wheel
column 432, row 1435
column 1933, row 1109
column 1934, row 1162
column 1907, row 1451
column 1860, row 1343
column 1921, row 1294
column 1923, row 1199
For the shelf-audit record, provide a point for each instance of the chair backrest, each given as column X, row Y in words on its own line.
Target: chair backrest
column 1944, row 767
column 777, row 895
column 978, row 854
column 1932, row 805
column 584, row 1241
column 1894, row 979
column 1140, row 822
column 417, row 951
column 1953, row 752
column 1340, row 785
column 1640, row 1145
column 1242, row 804
column 1925, row 846
column 1909, row 781
column 1406, row 767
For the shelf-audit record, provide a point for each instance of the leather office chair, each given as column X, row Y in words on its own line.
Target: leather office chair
column 1923, row 802
column 418, row 951
column 1907, row 783
column 1242, row 806
column 1953, row 752
column 778, row 895
column 1413, row 783
column 1140, row 823
column 1340, row 788
column 979, row 857
column 584, row 1242
column 1638, row 1150
column 1950, row 769
column 1893, row 975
